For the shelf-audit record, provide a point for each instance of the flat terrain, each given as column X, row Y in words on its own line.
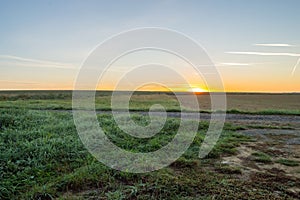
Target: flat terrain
column 249, row 120
column 142, row 101
column 256, row 157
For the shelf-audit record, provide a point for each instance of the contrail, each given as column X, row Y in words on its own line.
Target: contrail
column 274, row 45
column 295, row 67
column 36, row 62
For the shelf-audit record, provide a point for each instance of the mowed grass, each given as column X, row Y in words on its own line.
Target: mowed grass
column 42, row 157
column 267, row 104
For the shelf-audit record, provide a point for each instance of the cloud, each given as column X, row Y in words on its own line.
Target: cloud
column 29, row 62
column 233, row 64
column 274, row 45
column 295, row 67
column 18, row 82
column 270, row 54
column 263, row 53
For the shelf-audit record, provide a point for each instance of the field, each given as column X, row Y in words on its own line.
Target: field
column 141, row 101
column 42, row 157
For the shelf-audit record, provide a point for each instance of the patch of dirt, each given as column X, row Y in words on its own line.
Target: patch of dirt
column 275, row 143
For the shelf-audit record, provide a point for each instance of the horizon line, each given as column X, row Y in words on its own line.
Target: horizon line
column 151, row 91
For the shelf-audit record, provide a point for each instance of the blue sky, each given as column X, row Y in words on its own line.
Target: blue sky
column 43, row 43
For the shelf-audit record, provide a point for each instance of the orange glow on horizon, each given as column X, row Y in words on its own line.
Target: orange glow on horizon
column 269, row 86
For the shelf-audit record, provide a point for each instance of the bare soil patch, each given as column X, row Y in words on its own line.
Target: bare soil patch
column 278, row 145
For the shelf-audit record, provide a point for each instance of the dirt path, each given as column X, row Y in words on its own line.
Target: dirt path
column 207, row 116
column 250, row 120
column 281, row 121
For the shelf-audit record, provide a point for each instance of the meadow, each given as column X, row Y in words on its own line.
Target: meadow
column 42, row 157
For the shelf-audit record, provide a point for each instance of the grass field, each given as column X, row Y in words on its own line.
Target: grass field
column 141, row 101
column 42, row 157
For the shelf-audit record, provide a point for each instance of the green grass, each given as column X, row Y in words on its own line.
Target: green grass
column 265, row 112
column 228, row 169
column 103, row 104
column 140, row 101
column 41, row 156
column 290, row 163
column 262, row 157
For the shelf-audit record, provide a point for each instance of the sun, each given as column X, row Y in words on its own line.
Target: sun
column 197, row 90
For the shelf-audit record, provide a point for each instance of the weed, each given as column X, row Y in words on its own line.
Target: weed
column 261, row 157
column 290, row 163
column 226, row 169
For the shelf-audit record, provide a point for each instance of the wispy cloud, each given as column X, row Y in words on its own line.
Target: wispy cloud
column 274, row 45
column 18, row 82
column 29, row 62
column 295, row 67
column 269, row 54
column 263, row 53
column 233, row 64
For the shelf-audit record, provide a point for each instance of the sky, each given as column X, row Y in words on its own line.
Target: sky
column 255, row 45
